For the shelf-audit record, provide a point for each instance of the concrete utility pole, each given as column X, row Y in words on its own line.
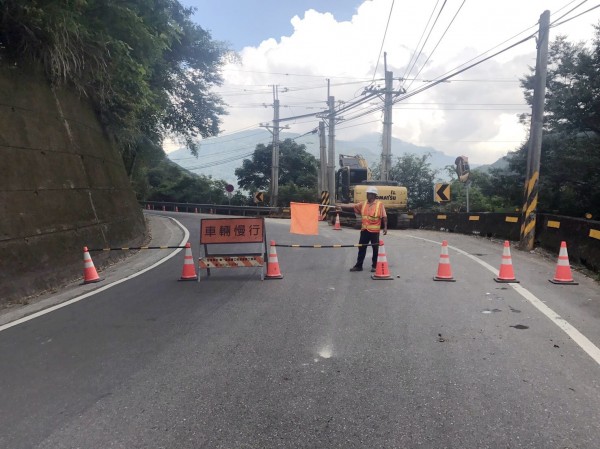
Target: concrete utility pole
column 535, row 137
column 274, row 130
column 331, row 148
column 386, row 154
column 323, row 158
column 275, row 168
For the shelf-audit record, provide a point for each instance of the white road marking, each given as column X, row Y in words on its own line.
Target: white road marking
column 584, row 343
column 101, row 289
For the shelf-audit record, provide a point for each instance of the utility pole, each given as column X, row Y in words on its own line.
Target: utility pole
column 323, row 158
column 386, row 154
column 275, row 158
column 528, row 221
column 331, row 148
column 274, row 130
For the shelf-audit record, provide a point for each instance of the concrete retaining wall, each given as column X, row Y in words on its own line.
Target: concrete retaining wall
column 63, row 186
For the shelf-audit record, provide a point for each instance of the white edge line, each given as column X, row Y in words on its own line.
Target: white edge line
column 584, row 343
column 101, row 289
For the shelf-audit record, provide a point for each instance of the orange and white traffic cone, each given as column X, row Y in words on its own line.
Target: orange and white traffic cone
column 506, row 273
column 90, row 275
column 189, row 267
column 382, row 271
column 444, row 272
column 337, row 226
column 176, row 209
column 273, row 271
column 195, row 210
column 164, row 209
column 563, row 274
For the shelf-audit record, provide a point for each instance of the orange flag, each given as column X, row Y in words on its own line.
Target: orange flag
column 305, row 218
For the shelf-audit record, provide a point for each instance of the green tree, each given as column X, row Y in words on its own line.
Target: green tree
column 570, row 157
column 146, row 67
column 297, row 172
column 415, row 173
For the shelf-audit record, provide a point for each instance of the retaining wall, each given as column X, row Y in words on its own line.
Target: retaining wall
column 63, row 186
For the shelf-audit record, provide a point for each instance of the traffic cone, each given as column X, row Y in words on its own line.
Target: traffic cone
column 195, row 210
column 563, row 269
column 444, row 272
column 337, row 226
column 189, row 267
column 90, row 275
column 506, row 273
column 273, row 271
column 163, row 208
column 176, row 209
column 382, row 271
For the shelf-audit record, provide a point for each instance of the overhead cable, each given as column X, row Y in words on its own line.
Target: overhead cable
column 438, row 43
column 427, row 38
column 574, row 17
column 383, row 40
column 408, row 66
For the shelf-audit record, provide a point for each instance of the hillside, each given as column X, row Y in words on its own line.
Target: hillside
column 220, row 156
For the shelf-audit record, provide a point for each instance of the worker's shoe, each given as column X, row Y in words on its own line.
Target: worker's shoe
column 373, row 269
column 355, row 268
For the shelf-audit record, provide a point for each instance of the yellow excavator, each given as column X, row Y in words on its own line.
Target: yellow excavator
column 351, row 182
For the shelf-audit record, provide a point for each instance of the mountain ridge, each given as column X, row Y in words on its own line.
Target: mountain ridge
column 218, row 157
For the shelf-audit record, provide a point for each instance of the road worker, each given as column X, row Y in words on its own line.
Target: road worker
column 373, row 216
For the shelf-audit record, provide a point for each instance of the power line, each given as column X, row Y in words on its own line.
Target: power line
column 438, row 43
column 440, row 80
column 574, row 17
column 568, row 12
column 221, row 162
column 383, row 40
column 407, row 71
column 427, row 38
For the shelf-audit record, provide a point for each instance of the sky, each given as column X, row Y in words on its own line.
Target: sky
column 299, row 45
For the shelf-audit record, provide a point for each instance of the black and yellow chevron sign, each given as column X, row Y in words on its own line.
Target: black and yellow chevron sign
column 259, row 197
column 441, row 193
column 324, row 202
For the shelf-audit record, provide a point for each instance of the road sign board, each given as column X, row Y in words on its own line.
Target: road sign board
column 231, row 230
column 259, row 197
column 441, row 193
column 229, row 188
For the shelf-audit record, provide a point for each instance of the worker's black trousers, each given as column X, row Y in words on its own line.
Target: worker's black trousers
column 365, row 238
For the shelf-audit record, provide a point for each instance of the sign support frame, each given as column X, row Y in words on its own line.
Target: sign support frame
column 235, row 256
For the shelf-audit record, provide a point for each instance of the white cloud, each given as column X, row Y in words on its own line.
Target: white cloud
column 347, row 53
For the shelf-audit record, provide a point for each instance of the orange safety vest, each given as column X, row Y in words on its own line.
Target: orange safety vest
column 371, row 223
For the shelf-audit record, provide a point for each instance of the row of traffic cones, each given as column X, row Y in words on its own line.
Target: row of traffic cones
column 506, row 273
column 381, row 271
column 90, row 274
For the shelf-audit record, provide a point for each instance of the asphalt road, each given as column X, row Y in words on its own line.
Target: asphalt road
column 323, row 358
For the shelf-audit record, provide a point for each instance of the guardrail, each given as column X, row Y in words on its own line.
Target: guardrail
column 582, row 235
column 220, row 209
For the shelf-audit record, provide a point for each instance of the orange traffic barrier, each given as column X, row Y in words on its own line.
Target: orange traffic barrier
column 506, row 273
column 337, row 226
column 273, row 271
column 189, row 267
column 563, row 274
column 382, row 271
column 90, row 274
column 444, row 272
